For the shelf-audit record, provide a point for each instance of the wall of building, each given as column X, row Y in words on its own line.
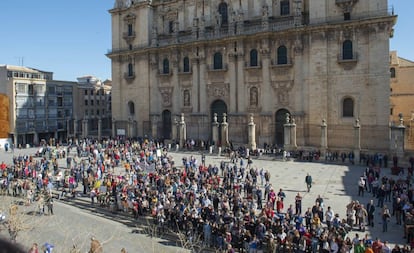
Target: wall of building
column 311, row 85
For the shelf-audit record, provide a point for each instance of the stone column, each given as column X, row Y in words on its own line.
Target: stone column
column 324, row 137
column 99, row 129
column 15, row 138
column 67, row 128
column 174, row 130
column 36, row 138
column 224, row 131
column 397, row 138
column 154, row 126
column 215, row 130
column 75, row 127
column 252, row 133
column 85, row 128
column 288, row 133
column 357, row 140
column 293, row 133
column 129, row 133
column 113, row 127
column 266, row 90
column 202, row 100
column 183, row 131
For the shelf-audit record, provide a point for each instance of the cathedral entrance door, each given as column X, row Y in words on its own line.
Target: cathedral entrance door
column 280, row 117
column 166, row 124
column 219, row 107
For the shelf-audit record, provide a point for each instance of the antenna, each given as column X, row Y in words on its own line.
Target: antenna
column 20, row 60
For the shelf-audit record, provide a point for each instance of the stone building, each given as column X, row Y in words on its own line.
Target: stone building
column 92, row 117
column 38, row 106
column 402, row 95
column 325, row 63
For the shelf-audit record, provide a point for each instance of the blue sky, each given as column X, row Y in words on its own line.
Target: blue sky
column 71, row 38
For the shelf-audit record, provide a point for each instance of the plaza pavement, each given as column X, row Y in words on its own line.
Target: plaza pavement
column 335, row 182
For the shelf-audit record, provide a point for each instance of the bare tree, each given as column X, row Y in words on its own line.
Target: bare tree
column 16, row 219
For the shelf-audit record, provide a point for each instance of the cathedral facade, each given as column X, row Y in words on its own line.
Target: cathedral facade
column 323, row 63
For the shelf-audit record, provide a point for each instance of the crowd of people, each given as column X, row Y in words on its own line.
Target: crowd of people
column 229, row 207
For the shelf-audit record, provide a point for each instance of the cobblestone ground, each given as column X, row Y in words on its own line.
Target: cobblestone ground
column 336, row 183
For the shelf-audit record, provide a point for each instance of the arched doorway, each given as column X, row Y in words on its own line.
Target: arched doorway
column 280, row 117
column 166, row 124
column 219, row 107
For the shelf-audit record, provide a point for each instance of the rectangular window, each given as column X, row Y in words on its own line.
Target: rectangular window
column 31, row 89
column 91, row 102
column 51, row 89
column 284, row 8
column 347, row 16
column 59, row 101
column 171, row 26
column 86, row 102
column 21, row 88
column 86, row 92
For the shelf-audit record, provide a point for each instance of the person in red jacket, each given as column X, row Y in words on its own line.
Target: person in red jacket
column 279, row 205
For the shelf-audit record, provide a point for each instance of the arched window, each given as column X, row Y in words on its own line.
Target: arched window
column 284, row 8
column 347, row 51
column 253, row 58
column 392, row 72
column 348, row 107
column 130, row 69
column 130, row 30
column 131, row 108
column 218, row 61
column 222, row 9
column 282, row 55
column 165, row 66
column 186, row 64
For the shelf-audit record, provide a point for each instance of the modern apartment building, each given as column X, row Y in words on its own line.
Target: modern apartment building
column 38, row 106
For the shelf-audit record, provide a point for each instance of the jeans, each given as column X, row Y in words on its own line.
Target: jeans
column 384, row 225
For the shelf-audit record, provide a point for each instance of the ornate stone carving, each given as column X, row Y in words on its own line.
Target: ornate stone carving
column 154, row 60
column 265, row 52
column 298, row 46
column 218, row 90
column 166, row 93
column 282, row 89
column 346, row 5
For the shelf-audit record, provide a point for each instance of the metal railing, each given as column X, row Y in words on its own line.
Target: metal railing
column 249, row 27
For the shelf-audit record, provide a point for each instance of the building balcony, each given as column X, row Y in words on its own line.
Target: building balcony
column 211, row 67
column 128, row 36
column 247, row 65
column 345, row 1
column 353, row 59
column 129, row 76
column 283, row 64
